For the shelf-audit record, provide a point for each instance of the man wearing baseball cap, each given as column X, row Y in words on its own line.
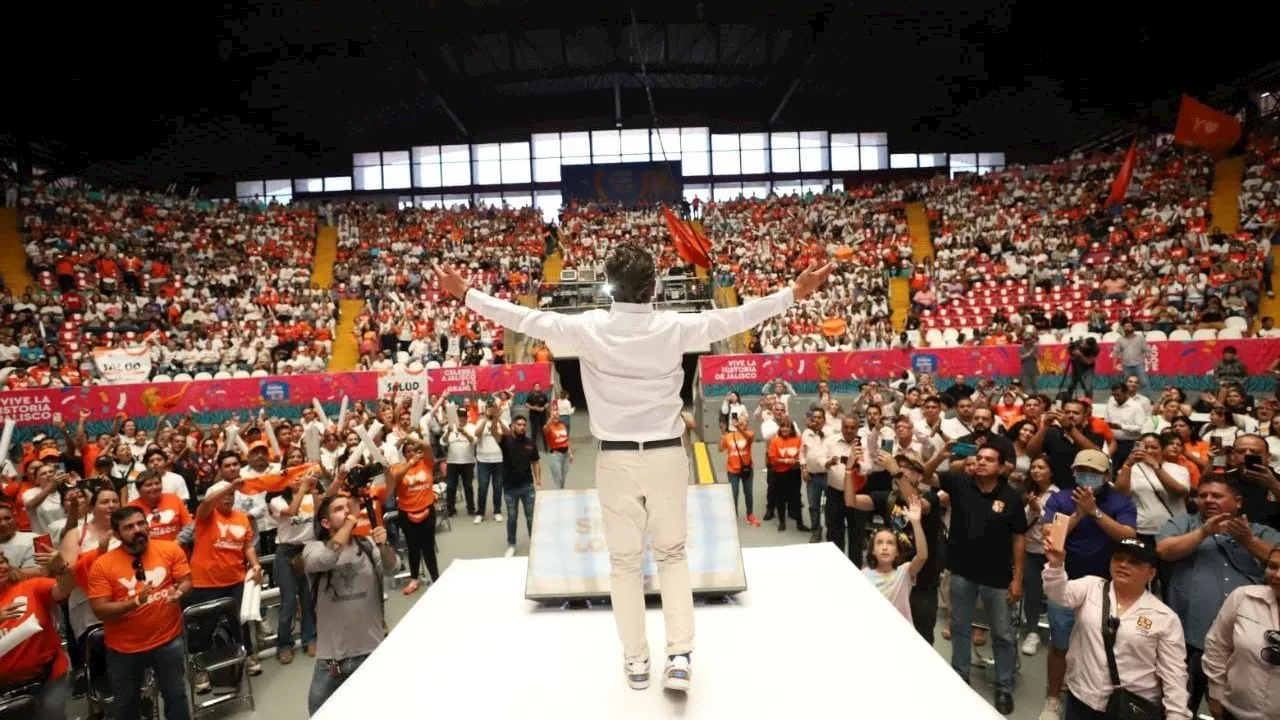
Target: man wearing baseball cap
column 1100, row 517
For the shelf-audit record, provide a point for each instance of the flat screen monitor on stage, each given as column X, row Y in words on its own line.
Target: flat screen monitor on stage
column 568, row 559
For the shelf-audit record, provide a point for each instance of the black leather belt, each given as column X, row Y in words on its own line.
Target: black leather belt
column 633, row 445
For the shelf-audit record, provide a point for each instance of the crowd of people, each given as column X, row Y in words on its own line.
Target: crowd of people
column 196, row 286
column 1167, row 507
column 385, row 256
column 128, row 531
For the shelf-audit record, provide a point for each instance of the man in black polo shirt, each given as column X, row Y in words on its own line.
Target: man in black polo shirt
column 1061, row 437
column 983, row 420
column 536, row 404
column 985, row 552
column 521, row 474
column 908, row 472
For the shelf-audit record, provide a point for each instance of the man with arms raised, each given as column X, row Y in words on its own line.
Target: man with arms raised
column 631, row 373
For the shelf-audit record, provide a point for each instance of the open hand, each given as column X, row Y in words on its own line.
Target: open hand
column 451, row 281
column 13, row 611
column 1238, row 528
column 811, row 279
column 1086, row 503
column 1217, row 523
column 914, row 509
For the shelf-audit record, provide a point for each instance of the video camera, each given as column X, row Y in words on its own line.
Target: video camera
column 360, row 476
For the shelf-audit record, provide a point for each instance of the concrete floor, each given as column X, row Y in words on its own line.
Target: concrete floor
column 281, row 691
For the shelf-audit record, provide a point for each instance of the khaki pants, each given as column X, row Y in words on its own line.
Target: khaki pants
column 647, row 491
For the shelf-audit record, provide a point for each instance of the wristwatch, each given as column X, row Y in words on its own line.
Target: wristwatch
column 1098, row 513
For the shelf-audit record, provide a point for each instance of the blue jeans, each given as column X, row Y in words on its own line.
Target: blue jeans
column 557, row 464
column 744, row 479
column 1141, row 372
column 291, row 592
column 964, row 600
column 1062, row 620
column 167, row 662
column 815, row 489
column 324, row 685
column 1032, row 590
column 522, row 495
column 486, row 474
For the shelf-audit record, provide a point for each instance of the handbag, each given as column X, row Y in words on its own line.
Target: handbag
column 1123, row 704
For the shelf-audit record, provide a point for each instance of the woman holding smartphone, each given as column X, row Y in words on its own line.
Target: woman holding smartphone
column 730, row 410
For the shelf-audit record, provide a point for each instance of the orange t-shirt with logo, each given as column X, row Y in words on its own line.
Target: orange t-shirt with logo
column 784, row 453
column 557, row 436
column 156, row 623
column 39, row 643
column 363, row 526
column 221, row 540
column 737, row 446
column 167, row 518
column 415, row 493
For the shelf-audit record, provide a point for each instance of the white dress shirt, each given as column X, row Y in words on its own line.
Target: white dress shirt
column 870, row 441
column 1130, row 417
column 1151, row 654
column 813, row 451
column 632, row 357
column 1238, row 677
column 836, row 446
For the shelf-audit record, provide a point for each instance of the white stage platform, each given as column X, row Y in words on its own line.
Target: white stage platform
column 810, row 638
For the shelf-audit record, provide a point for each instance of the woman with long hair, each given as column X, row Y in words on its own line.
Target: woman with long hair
column 1193, row 448
column 412, row 485
column 1157, row 486
column 730, row 410
column 81, row 545
column 892, row 578
column 1037, row 490
column 783, row 461
column 293, row 509
column 1021, row 433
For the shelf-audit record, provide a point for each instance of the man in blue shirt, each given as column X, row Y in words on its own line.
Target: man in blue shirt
column 1100, row 517
column 1210, row 554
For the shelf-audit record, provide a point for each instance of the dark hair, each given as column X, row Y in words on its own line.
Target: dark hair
column 222, row 456
column 1016, row 428
column 93, row 496
column 931, row 399
column 322, row 513
column 1220, row 478
column 6, row 505
column 122, row 514
column 146, row 458
column 1146, row 435
column 871, row 549
column 630, row 270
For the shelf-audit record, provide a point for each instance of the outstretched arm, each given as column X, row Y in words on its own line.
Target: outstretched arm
column 535, row 323
column 712, row 326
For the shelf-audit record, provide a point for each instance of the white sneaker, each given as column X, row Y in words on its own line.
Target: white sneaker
column 678, row 674
column 497, row 517
column 511, row 551
column 1052, row 709
column 477, row 520
column 1031, row 644
column 637, row 674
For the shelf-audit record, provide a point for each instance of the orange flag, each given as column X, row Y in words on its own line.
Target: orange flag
column 687, row 245
column 276, row 483
column 1201, row 126
column 1120, row 185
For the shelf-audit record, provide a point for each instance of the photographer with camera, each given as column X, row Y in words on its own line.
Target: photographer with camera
column 1084, row 354
column 344, row 572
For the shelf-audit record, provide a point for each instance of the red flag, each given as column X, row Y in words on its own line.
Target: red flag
column 1201, row 126
column 1120, row 185
column 686, row 242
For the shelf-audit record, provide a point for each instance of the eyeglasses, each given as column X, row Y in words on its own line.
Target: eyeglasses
column 138, row 573
column 1271, row 652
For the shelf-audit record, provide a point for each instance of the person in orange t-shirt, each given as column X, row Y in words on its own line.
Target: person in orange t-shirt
column 412, row 484
column 136, row 590
column 737, row 444
column 223, row 550
column 783, row 479
column 559, row 454
column 166, row 512
column 27, row 624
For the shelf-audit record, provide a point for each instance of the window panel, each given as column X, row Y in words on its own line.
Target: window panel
column 814, row 159
column 991, row 159
column 486, row 164
column 546, row 170
column 337, row 184
column 964, row 161
column 366, row 159
column 753, row 141
column 546, row 145
column 518, row 201
column 787, row 187
column 457, row 200
column 874, row 138
column 395, row 170
column 695, row 163
column 426, row 154
column 724, row 142
column 755, row 190
column 515, row 163
column 665, row 144
column 427, row 174
column 755, row 161
column 429, row 201
column 605, row 146
column 724, row 192
column 933, row 160
column 548, row 203
column 814, row 139
column 784, row 140
column 455, row 165
column 488, row 199
column 635, row 142
column 694, row 139
column 784, row 152
column 837, row 184
column 368, row 177
column 250, row 189
column 874, row 157
column 844, row 151
column 308, row 185
column 726, row 162
column 455, row 153
column 817, row 187
column 903, row 160
column 575, row 148
column 697, row 191
column 279, row 189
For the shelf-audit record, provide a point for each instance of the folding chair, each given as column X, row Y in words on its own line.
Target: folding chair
column 93, row 646
column 216, row 627
column 265, row 630
column 398, row 543
column 19, row 702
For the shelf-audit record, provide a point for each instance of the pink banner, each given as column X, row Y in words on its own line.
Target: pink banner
column 518, row 378
column 1163, row 358
column 38, row 407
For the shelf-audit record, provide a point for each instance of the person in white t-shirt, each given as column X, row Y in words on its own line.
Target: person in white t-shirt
column 170, row 482
column 488, row 449
column 459, row 443
column 294, row 512
column 44, row 508
column 1157, row 485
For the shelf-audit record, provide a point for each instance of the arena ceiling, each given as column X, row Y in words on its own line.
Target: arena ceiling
column 230, row 90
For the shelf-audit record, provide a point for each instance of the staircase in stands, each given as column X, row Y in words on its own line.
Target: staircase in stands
column 921, row 251
column 1224, row 204
column 346, row 346
column 13, row 257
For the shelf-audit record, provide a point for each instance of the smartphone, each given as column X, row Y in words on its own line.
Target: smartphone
column 1219, row 459
column 43, row 543
column 886, row 445
column 1253, row 461
column 1058, row 530
column 964, row 450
